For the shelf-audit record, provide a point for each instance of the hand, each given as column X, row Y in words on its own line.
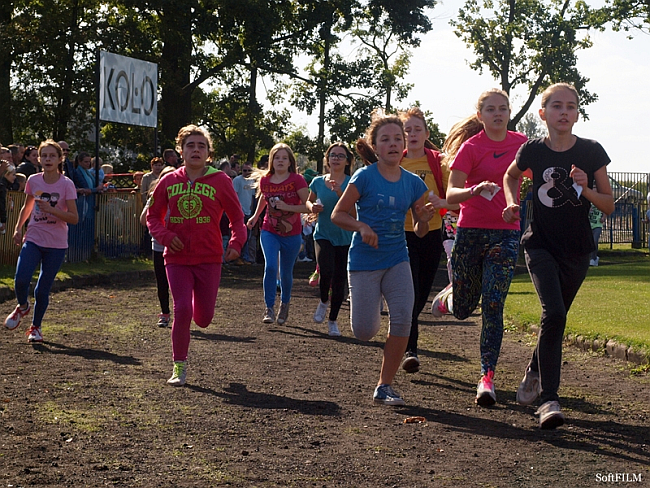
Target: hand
column 436, row 201
column 251, row 222
column 44, row 207
column 18, row 237
column 490, row 186
column 425, row 212
column 369, row 236
column 230, row 255
column 579, row 176
column 317, row 207
column 332, row 184
column 281, row 205
column 511, row 213
column 176, row 245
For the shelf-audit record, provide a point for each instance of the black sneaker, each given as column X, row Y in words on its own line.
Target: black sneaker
column 411, row 363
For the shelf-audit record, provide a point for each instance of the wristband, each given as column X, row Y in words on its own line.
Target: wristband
column 471, row 189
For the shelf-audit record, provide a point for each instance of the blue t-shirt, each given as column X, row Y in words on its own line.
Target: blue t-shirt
column 383, row 205
column 325, row 229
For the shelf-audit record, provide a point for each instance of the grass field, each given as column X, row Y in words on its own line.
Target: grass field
column 613, row 302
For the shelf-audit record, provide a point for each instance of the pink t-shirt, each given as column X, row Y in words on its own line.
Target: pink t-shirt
column 278, row 221
column 483, row 159
column 43, row 229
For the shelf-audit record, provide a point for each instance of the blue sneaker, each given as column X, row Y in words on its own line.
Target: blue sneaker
column 385, row 395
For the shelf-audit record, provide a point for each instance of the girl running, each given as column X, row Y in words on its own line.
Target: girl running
column 162, row 285
column 50, row 206
column 485, row 253
column 284, row 192
column 196, row 195
column 378, row 260
column 569, row 174
column 331, row 242
column 422, row 158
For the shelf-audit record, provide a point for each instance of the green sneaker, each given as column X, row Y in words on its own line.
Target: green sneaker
column 179, row 374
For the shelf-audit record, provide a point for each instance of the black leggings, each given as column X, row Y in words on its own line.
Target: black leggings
column 332, row 262
column 161, row 281
column 424, row 257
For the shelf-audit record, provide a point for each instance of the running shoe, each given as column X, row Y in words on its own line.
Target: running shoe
column 442, row 303
column 269, row 316
column 485, row 395
column 550, row 415
column 385, row 395
column 321, row 311
column 333, row 328
column 179, row 374
column 13, row 319
column 529, row 388
column 283, row 314
column 34, row 334
column 314, row 279
column 163, row 320
column 411, row 363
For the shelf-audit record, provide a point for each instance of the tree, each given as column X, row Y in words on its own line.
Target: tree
column 626, row 14
column 50, row 46
column 532, row 126
column 528, row 43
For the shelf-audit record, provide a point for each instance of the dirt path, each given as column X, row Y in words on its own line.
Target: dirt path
column 287, row 405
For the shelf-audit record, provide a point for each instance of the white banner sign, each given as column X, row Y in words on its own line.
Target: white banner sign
column 128, row 90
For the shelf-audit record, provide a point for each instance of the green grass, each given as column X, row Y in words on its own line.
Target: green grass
column 94, row 266
column 613, row 302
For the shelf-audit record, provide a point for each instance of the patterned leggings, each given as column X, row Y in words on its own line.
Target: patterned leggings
column 483, row 263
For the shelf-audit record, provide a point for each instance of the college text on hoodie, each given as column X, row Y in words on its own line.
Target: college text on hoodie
column 195, row 209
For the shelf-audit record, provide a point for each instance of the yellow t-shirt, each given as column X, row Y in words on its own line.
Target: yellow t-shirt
column 420, row 167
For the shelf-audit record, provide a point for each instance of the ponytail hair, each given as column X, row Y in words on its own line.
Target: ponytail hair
column 459, row 133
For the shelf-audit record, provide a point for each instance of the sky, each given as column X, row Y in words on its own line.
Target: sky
column 618, row 69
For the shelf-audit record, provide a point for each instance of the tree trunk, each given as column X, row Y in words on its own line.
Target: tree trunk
column 175, row 62
column 322, row 95
column 62, row 111
column 253, row 109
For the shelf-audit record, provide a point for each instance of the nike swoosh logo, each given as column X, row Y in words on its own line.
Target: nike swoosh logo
column 499, row 155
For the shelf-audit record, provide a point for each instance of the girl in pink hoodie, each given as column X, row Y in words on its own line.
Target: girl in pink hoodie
column 196, row 195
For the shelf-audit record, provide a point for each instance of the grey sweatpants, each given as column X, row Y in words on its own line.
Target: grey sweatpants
column 366, row 290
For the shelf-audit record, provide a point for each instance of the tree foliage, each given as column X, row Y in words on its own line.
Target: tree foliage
column 528, row 43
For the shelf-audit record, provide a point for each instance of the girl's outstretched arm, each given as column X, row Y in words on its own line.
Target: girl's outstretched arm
column 601, row 197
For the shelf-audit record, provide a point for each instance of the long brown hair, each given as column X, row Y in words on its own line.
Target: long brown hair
column 459, row 133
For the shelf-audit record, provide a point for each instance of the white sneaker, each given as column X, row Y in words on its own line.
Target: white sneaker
column 179, row 374
column 592, row 262
column 443, row 302
column 14, row 318
column 529, row 388
column 34, row 334
column 319, row 314
column 550, row 415
column 333, row 328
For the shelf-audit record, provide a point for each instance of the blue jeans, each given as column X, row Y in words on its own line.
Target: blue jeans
column 288, row 247
column 30, row 256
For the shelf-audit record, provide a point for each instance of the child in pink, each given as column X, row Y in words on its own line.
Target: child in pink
column 196, row 195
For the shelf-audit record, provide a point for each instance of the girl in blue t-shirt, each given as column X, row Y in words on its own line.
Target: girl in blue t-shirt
column 569, row 173
column 331, row 242
column 378, row 262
